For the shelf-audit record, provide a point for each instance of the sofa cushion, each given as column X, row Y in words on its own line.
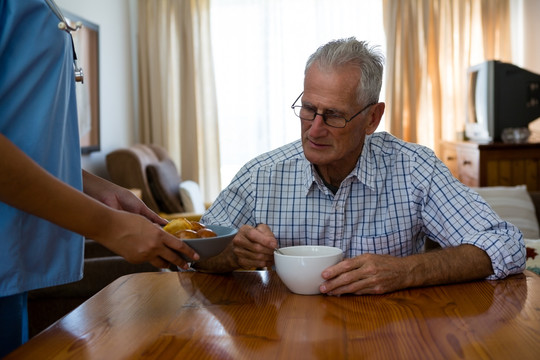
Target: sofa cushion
column 533, row 255
column 191, row 196
column 163, row 179
column 513, row 204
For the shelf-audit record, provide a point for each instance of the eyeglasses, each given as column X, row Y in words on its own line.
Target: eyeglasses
column 308, row 113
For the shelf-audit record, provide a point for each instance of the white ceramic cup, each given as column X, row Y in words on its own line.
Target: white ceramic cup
column 300, row 267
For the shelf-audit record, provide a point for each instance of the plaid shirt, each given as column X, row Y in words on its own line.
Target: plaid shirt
column 397, row 194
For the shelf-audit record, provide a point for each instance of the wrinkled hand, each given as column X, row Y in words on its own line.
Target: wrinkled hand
column 254, row 247
column 365, row 274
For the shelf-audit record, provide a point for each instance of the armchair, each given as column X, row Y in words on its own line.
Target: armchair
column 150, row 169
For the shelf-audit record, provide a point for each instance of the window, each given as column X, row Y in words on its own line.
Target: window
column 260, row 48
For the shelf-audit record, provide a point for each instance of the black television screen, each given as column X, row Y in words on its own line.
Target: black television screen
column 499, row 96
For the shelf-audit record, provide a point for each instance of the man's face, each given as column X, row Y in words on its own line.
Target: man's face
column 334, row 91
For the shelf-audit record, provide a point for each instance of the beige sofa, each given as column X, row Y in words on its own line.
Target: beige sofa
column 150, row 169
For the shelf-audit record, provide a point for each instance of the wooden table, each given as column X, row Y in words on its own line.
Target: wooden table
column 251, row 315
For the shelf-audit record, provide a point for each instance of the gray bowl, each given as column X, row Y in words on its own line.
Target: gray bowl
column 212, row 246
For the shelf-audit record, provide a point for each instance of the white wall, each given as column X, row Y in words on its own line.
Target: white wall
column 531, row 29
column 116, row 84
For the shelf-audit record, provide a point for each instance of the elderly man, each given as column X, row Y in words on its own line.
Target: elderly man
column 374, row 196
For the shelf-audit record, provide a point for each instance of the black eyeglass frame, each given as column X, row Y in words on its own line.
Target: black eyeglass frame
column 323, row 115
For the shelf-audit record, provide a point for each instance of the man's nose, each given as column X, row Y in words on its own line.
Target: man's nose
column 318, row 123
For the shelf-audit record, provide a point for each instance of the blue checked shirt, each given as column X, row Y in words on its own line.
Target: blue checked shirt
column 397, row 194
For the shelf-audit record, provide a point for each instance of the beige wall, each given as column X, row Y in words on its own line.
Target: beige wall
column 116, row 84
column 527, row 27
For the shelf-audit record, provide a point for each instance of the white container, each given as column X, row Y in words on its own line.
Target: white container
column 300, row 267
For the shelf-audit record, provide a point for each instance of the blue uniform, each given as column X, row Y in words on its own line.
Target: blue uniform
column 38, row 114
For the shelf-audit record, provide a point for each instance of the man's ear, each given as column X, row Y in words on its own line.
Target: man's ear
column 375, row 116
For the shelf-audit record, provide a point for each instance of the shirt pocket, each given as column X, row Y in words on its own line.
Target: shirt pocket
column 398, row 243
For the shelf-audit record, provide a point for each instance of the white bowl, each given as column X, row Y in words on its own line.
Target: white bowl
column 300, row 267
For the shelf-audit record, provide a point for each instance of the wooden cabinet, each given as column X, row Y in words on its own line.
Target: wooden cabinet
column 494, row 164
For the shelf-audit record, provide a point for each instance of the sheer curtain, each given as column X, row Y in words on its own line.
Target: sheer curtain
column 430, row 45
column 260, row 49
column 177, row 90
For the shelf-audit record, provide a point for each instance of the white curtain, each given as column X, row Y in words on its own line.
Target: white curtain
column 431, row 43
column 177, row 91
column 260, row 49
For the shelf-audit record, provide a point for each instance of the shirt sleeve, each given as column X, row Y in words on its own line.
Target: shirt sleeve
column 234, row 205
column 454, row 215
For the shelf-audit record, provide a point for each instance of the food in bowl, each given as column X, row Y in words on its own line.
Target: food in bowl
column 185, row 229
column 300, row 267
column 206, row 240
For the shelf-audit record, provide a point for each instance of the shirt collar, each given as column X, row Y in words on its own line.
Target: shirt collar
column 364, row 170
column 366, row 166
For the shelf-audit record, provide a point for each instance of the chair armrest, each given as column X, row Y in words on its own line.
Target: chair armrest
column 535, row 196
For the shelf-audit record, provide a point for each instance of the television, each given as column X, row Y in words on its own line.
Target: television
column 499, row 96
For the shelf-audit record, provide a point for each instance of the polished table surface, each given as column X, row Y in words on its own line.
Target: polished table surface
column 252, row 315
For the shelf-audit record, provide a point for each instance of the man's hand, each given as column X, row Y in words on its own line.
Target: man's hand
column 251, row 248
column 365, row 274
column 254, row 247
column 378, row 274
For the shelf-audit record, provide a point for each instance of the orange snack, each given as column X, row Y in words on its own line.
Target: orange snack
column 206, row 233
column 195, row 225
column 176, row 225
column 186, row 234
column 182, row 228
